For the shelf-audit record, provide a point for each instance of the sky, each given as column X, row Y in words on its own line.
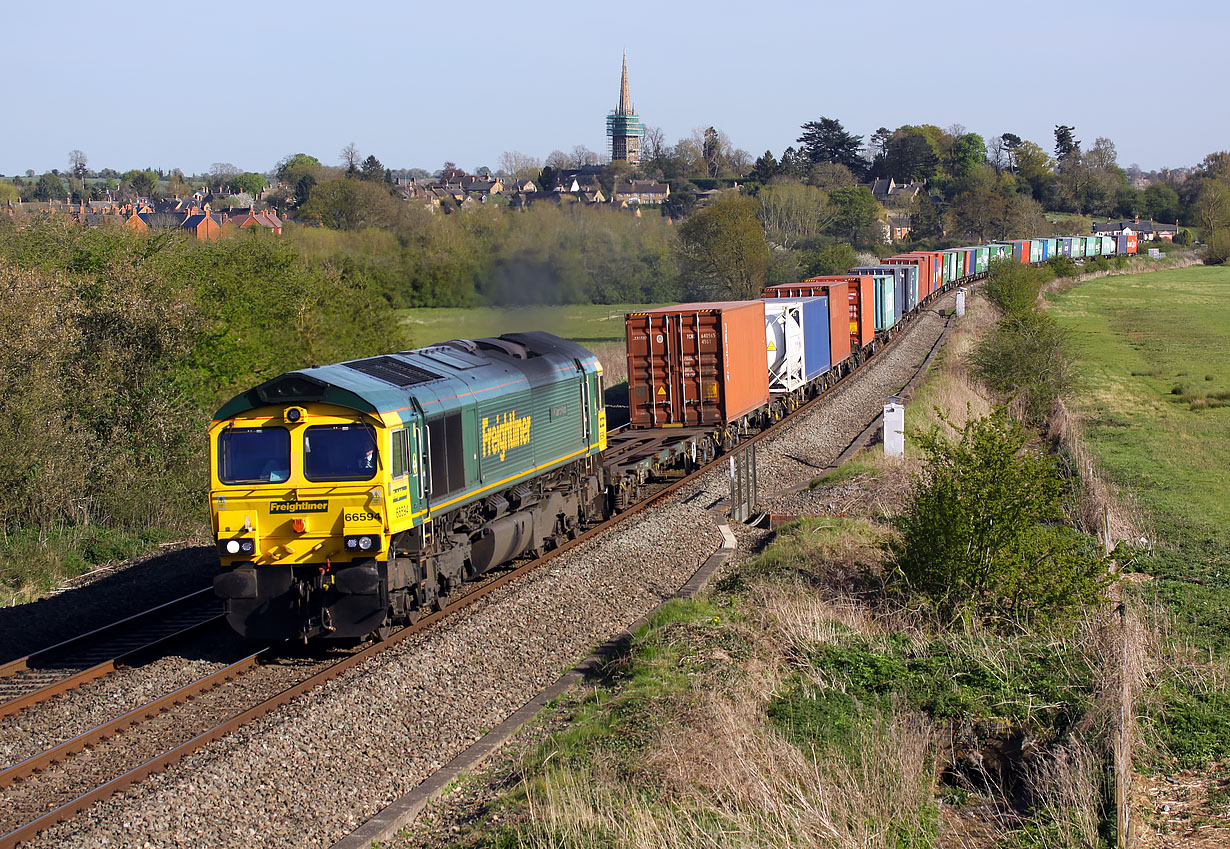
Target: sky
column 185, row 85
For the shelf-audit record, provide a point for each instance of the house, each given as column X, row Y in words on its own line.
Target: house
column 247, row 218
column 1146, row 231
column 889, row 191
column 898, row 227
column 204, row 226
column 629, row 192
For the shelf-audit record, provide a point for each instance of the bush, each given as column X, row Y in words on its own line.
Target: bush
column 981, row 537
column 1063, row 266
column 1013, row 286
column 1026, row 358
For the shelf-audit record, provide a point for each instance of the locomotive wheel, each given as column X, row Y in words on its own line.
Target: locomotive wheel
column 383, row 632
column 441, row 601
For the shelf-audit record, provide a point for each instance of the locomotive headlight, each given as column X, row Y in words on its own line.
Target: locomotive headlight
column 364, row 543
column 232, row 546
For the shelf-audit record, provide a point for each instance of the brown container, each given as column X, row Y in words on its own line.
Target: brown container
column 837, row 290
column 696, row 364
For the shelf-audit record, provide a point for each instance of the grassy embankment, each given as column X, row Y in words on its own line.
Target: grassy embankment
column 1156, row 416
column 791, row 706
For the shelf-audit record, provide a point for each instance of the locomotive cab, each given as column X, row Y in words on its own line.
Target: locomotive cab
column 301, row 498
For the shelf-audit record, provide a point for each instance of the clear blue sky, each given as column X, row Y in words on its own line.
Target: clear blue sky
column 184, row 85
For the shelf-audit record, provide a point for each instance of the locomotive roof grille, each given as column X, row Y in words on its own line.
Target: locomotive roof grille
column 392, row 370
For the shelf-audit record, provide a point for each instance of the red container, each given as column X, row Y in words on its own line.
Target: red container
column 838, row 293
column 696, row 364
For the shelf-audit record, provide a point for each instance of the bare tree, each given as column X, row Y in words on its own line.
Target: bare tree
column 582, row 156
column 220, row 174
column 558, row 160
column 514, row 163
column 77, row 163
column 351, row 158
column 997, row 153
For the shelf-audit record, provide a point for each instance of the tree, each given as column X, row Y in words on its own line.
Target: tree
column 1032, row 164
column 978, row 214
column 372, row 170
column 350, row 159
column 142, row 182
column 77, row 164
column 981, row 536
column 1213, row 213
column 221, row 174
column 968, row 152
column 348, row 204
column 765, row 168
column 826, row 140
column 794, row 213
column 827, row 176
column 925, row 219
column 1161, row 203
column 1066, row 144
column 249, row 182
column 547, row 179
column 557, row 160
column 837, row 258
column 723, row 250
column 515, row 165
column 855, row 208
column 908, row 156
column 296, row 161
column 1028, row 359
column 49, row 187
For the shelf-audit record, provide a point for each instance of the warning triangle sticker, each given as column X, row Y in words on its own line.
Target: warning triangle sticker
column 772, row 346
column 661, row 390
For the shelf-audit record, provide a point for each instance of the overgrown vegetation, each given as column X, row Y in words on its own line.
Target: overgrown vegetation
column 982, row 536
column 1027, row 358
column 118, row 349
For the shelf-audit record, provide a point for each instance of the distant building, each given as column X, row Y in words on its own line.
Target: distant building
column 624, row 126
column 627, row 192
column 889, row 191
column 1146, row 231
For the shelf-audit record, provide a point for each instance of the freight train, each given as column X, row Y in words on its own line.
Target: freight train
column 352, row 497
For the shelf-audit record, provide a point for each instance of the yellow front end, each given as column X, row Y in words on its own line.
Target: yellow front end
column 298, row 497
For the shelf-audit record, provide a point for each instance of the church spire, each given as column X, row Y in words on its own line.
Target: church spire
column 625, row 99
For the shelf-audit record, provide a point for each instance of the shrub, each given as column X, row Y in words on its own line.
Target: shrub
column 981, row 536
column 1026, row 358
column 1014, row 287
column 1063, row 266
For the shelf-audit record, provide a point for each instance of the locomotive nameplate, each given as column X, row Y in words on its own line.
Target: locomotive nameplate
column 277, row 507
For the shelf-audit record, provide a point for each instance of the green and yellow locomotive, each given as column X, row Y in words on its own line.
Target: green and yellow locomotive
column 353, row 496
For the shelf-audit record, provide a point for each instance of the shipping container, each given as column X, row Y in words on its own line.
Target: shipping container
column 693, row 364
column 856, row 290
column 797, row 341
column 1125, row 244
column 998, row 250
column 889, row 289
column 1108, row 245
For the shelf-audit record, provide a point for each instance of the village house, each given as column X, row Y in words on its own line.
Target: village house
column 629, row 192
column 1146, row 231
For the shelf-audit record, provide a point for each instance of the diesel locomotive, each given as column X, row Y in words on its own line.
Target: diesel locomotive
column 349, row 497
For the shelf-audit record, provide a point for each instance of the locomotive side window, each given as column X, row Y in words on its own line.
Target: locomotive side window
column 254, row 455
column 447, row 455
column 399, row 461
column 340, row 453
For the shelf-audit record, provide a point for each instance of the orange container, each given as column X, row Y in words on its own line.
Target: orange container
column 696, row 364
column 859, row 292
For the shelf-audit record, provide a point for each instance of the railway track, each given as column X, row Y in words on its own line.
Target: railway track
column 63, row 667
column 55, row 785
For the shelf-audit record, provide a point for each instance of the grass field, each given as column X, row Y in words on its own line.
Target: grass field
column 582, row 323
column 598, row 327
column 1157, row 417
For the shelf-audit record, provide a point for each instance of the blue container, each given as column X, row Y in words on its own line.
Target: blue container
column 817, row 344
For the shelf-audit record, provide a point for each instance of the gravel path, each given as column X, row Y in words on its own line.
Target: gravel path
column 312, row 772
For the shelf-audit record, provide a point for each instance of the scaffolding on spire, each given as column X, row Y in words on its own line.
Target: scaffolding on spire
column 624, row 126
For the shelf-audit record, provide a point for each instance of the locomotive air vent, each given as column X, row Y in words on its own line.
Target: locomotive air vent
column 391, row 370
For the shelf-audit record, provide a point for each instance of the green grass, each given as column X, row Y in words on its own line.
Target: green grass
column 581, row 323
column 1158, row 374
column 1141, row 338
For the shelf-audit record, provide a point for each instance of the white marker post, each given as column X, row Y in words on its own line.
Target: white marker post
column 894, row 427
column 960, row 301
